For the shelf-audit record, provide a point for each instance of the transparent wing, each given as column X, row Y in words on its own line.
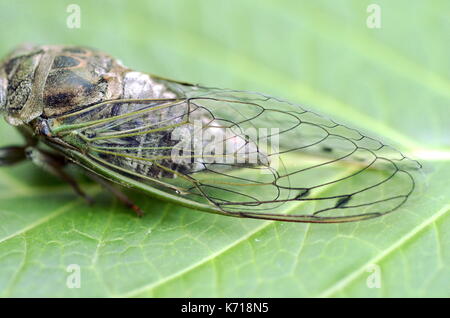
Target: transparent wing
column 245, row 154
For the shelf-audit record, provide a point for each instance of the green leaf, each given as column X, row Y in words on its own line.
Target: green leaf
column 393, row 83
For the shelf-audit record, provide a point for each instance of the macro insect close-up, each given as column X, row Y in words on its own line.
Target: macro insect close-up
column 235, row 149
column 191, row 144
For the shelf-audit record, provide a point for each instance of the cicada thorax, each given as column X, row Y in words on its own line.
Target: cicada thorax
column 77, row 78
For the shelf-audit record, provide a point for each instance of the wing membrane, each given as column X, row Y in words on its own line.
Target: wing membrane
column 244, row 154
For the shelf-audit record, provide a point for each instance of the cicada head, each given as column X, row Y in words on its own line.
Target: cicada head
column 17, row 75
column 51, row 80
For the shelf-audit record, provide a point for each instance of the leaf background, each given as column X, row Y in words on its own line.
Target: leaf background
column 393, row 83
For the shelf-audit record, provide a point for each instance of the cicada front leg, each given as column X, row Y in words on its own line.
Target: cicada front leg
column 11, row 155
column 117, row 193
column 55, row 164
column 50, row 162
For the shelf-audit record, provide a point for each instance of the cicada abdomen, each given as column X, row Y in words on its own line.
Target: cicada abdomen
column 223, row 151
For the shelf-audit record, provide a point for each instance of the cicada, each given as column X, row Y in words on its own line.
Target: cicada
column 222, row 151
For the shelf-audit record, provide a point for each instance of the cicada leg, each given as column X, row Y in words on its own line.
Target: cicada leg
column 11, row 155
column 55, row 164
column 117, row 193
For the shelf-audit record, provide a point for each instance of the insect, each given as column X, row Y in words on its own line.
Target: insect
column 222, row 151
